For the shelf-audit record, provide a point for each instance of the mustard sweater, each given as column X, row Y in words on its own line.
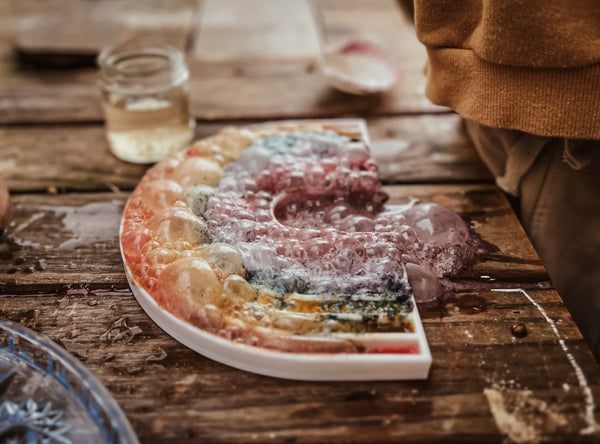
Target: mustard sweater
column 532, row 65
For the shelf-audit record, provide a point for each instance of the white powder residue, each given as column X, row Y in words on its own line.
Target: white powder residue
column 581, row 379
column 513, row 420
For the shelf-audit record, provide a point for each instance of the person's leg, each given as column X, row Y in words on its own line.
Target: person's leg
column 561, row 213
column 559, row 210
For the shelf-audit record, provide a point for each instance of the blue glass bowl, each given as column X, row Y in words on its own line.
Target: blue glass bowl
column 47, row 396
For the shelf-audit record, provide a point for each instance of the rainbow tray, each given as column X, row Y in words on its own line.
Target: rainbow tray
column 270, row 248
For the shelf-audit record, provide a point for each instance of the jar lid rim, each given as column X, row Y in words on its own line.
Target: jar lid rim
column 114, row 74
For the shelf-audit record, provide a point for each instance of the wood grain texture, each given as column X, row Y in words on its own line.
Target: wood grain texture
column 425, row 149
column 227, row 86
column 172, row 394
column 61, row 271
column 408, row 149
column 275, row 28
column 76, row 237
column 29, row 94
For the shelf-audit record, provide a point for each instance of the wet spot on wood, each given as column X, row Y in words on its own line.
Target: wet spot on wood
column 471, row 303
column 485, row 199
column 120, row 330
column 434, row 310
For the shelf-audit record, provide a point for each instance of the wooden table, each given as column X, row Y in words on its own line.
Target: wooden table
column 61, row 271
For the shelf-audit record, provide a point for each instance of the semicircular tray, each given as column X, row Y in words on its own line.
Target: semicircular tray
column 375, row 350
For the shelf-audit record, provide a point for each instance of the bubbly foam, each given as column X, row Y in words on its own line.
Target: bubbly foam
column 306, row 212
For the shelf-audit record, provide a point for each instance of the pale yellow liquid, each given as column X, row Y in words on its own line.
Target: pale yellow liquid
column 148, row 129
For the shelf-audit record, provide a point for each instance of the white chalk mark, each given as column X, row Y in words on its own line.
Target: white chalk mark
column 581, row 379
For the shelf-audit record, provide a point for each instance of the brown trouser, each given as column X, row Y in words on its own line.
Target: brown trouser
column 557, row 182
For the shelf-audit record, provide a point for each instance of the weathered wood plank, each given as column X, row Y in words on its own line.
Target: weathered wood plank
column 381, row 22
column 54, row 241
column 235, row 87
column 275, row 28
column 480, row 373
column 425, row 149
column 302, row 93
column 76, row 237
column 409, row 149
column 175, row 20
column 28, row 94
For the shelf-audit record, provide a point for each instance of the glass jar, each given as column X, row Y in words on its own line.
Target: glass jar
column 145, row 100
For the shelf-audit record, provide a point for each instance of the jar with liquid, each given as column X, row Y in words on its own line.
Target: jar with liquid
column 145, row 100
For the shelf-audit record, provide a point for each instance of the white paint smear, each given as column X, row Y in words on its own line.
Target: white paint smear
column 89, row 224
column 94, row 224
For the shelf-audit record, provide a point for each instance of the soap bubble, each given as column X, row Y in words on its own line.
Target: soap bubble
column 228, row 184
column 254, row 159
column 239, row 213
column 192, row 279
column 425, row 284
column 329, row 232
column 263, row 216
column 245, row 229
column 204, row 147
column 233, row 141
column 357, row 224
column 337, row 212
column 381, row 228
column 134, row 239
column 408, row 235
column 375, row 249
column 225, row 258
column 315, row 174
column 366, row 182
column 162, row 256
column 179, row 224
column 356, row 152
column 384, row 266
column 318, row 247
column 238, row 288
column 198, row 170
column 162, row 193
column 294, row 180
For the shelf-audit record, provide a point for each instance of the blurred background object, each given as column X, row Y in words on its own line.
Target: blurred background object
column 359, row 67
column 145, row 99
column 60, row 44
column 71, row 33
column 5, row 211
